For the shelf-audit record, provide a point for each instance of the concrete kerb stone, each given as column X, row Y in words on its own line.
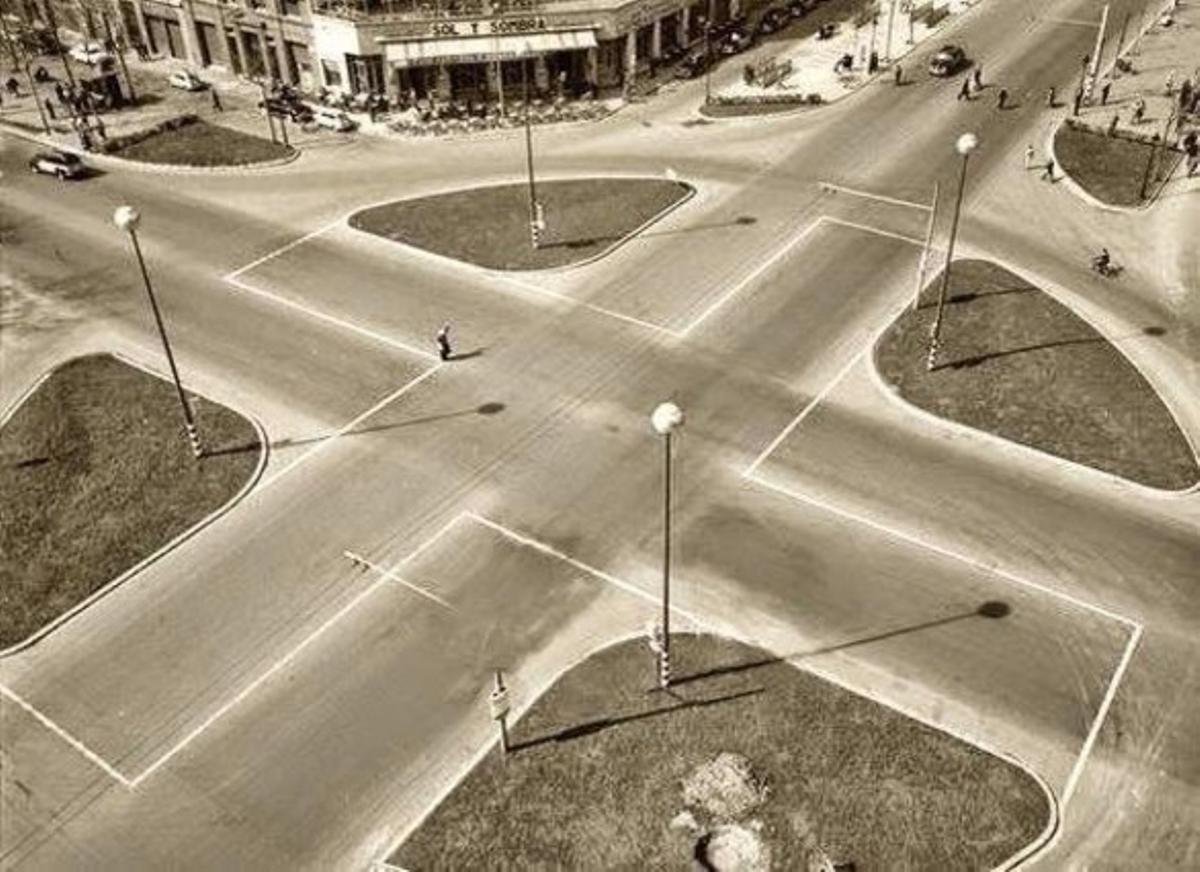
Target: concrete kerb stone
column 965, row 429
column 112, row 162
column 144, row 563
column 700, row 626
column 691, row 191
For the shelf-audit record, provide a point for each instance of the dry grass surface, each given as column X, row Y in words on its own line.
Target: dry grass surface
column 489, row 226
column 97, row 474
column 601, row 767
column 1109, row 168
column 202, row 144
column 1016, row 363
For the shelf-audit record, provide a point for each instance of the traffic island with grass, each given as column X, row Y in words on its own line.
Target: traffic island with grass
column 190, row 141
column 747, row 763
column 97, row 474
column 1016, row 363
column 1120, row 170
column 489, row 227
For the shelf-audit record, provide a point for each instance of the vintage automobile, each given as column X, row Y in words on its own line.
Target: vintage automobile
column 62, row 164
column 947, row 61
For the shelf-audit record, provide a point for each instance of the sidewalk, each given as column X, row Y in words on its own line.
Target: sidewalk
column 813, row 60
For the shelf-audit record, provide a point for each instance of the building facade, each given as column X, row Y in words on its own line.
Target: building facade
column 475, row 49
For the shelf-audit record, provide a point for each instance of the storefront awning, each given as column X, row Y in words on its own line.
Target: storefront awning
column 476, row 49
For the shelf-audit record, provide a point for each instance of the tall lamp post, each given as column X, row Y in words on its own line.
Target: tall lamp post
column 127, row 218
column 965, row 144
column 708, row 63
column 537, row 222
column 665, row 419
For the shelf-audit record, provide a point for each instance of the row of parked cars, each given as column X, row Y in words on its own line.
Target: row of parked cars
column 736, row 36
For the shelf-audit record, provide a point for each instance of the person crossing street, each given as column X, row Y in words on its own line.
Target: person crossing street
column 445, row 351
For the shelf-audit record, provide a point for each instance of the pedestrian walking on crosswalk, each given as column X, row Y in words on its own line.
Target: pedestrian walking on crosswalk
column 1029, row 156
column 445, row 352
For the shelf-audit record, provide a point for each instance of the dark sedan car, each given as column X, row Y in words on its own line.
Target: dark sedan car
column 773, row 20
column 692, row 66
column 948, row 60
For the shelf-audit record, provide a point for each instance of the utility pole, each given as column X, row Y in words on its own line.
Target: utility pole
column 1090, row 80
column 887, row 49
column 923, row 263
column 58, row 46
column 966, row 144
column 708, row 26
column 536, row 222
column 262, row 89
column 120, row 54
column 36, row 100
column 499, row 706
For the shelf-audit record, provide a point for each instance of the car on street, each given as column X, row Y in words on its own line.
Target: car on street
column 947, row 61
column 89, row 53
column 732, row 41
column 692, row 65
column 62, row 164
column 773, row 20
column 282, row 107
column 333, row 119
column 186, row 80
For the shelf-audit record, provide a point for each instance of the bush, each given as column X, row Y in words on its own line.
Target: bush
column 117, row 143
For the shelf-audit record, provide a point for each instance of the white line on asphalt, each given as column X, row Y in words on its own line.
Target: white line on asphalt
column 579, row 564
column 83, row 749
column 794, row 240
column 914, row 539
column 795, row 422
column 391, row 574
column 878, row 231
column 283, row 249
column 1079, row 21
column 1101, row 714
column 327, row 318
column 856, row 192
column 350, row 426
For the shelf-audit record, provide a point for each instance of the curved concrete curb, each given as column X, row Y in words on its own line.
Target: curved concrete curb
column 45, row 630
column 893, row 395
column 1041, row 843
column 107, row 160
column 1053, row 828
column 691, row 191
column 1082, row 193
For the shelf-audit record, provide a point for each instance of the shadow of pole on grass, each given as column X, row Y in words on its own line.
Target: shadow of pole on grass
column 592, row 727
column 977, row 359
column 486, row 409
column 993, row 610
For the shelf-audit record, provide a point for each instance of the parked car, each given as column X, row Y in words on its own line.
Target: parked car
column 281, row 107
column 333, row 119
column 89, row 53
column 948, row 60
column 186, row 80
column 773, row 20
column 692, row 66
column 733, row 41
column 800, row 8
column 63, row 164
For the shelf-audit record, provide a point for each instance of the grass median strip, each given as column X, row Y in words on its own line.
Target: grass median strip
column 489, row 227
column 1016, row 363
column 1117, row 170
column 747, row 757
column 201, row 144
column 97, row 475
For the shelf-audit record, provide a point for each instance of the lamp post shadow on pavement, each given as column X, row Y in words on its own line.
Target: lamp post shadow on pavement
column 964, row 145
column 666, row 419
column 127, row 218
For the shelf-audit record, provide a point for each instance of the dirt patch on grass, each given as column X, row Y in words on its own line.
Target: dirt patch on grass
column 1016, row 363
column 489, row 227
column 97, row 475
column 607, row 774
column 201, row 144
column 1111, row 168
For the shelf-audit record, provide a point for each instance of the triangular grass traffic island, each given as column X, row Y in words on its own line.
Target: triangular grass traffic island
column 1016, row 363
column 489, row 226
column 748, row 763
column 97, row 474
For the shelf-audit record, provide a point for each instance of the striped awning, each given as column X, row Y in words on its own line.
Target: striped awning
column 492, row 47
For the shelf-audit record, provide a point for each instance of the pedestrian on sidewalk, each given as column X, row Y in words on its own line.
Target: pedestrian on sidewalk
column 1112, row 125
column 899, row 75
column 1051, row 96
column 1001, row 98
column 100, row 131
column 216, row 100
column 1185, row 95
column 1170, row 86
column 1048, row 172
column 1029, row 156
column 964, row 93
column 49, row 108
column 1139, row 110
column 445, row 352
column 1077, row 101
column 977, row 76
column 1104, row 93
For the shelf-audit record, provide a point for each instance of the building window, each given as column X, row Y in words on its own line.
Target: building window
column 332, row 73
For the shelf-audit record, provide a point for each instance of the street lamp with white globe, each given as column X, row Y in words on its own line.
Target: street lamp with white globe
column 965, row 144
column 666, row 419
column 127, row 218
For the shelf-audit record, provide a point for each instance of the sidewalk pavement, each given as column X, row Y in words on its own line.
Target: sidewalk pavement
column 1165, row 53
column 813, row 59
